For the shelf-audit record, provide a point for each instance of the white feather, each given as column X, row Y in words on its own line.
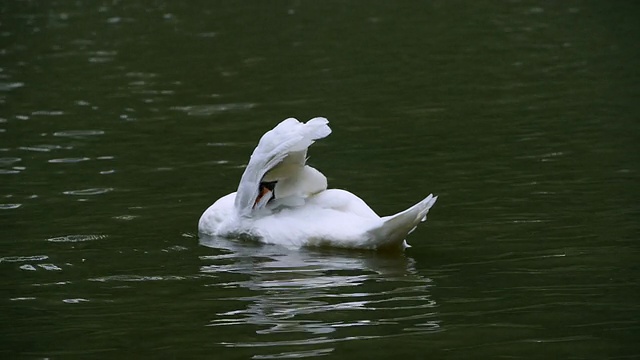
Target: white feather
column 303, row 212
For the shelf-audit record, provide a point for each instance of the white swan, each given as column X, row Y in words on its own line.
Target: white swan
column 281, row 200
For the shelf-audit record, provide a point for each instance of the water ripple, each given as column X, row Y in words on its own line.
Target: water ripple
column 48, row 113
column 76, row 238
column 296, row 354
column 69, row 160
column 23, row 258
column 42, row 148
column 9, row 206
column 126, row 217
column 74, row 301
column 4, row 86
column 50, row 267
column 308, row 295
column 6, row 161
column 206, row 110
column 136, row 278
column 88, row 192
column 78, row 133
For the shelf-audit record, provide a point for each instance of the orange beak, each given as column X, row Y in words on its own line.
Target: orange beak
column 263, row 191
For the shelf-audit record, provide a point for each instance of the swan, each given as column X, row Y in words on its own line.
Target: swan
column 282, row 200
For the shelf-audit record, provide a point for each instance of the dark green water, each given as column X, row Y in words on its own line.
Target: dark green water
column 121, row 122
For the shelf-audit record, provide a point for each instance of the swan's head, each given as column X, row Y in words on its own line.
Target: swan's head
column 266, row 193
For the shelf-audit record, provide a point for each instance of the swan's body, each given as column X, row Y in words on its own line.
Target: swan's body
column 281, row 200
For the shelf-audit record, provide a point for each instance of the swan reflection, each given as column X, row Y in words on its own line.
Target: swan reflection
column 315, row 296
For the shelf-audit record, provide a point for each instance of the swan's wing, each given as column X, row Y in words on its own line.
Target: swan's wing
column 290, row 137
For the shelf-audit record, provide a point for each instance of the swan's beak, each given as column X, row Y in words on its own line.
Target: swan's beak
column 266, row 189
column 263, row 192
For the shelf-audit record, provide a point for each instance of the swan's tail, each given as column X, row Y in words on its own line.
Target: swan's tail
column 395, row 228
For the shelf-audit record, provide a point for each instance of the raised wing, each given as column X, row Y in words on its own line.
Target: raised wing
column 285, row 144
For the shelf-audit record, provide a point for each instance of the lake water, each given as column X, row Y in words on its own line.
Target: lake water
column 121, row 122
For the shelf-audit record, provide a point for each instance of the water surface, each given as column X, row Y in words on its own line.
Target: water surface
column 121, row 122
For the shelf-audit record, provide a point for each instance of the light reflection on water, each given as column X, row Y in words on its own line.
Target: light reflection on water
column 315, row 298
